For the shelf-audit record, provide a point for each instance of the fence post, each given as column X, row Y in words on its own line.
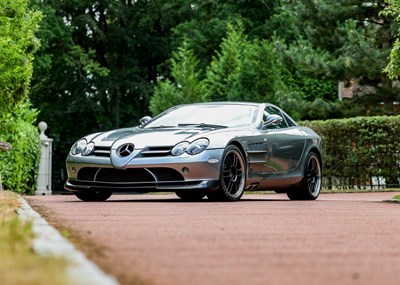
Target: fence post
column 44, row 179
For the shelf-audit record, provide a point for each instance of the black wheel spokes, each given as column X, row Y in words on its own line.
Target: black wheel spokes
column 232, row 173
column 234, row 161
column 313, row 175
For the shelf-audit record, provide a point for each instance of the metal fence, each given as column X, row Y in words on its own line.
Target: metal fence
column 344, row 170
column 59, row 178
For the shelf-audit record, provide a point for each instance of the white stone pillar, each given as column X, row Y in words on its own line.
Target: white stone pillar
column 44, row 179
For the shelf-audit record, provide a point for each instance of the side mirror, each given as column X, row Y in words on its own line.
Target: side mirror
column 272, row 120
column 144, row 120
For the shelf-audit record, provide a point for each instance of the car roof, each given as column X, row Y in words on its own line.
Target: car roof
column 263, row 104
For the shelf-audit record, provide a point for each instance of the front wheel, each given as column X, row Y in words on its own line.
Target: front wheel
column 310, row 186
column 232, row 177
column 93, row 196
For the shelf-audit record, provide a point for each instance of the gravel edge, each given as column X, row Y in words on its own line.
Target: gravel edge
column 49, row 242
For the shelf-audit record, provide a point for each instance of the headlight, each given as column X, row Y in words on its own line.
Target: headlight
column 180, row 148
column 88, row 149
column 197, row 146
column 193, row 148
column 82, row 147
column 78, row 147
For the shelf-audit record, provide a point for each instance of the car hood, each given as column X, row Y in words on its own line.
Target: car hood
column 142, row 138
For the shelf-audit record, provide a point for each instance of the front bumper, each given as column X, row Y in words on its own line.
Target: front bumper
column 167, row 173
column 78, row 186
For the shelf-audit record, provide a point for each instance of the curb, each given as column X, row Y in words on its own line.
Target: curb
column 49, row 242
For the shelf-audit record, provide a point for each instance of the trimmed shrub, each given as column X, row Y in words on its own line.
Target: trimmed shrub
column 19, row 167
column 362, row 152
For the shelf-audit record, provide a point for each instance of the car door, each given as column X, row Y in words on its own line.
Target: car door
column 284, row 143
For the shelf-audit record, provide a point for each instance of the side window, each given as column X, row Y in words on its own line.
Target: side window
column 289, row 121
column 271, row 110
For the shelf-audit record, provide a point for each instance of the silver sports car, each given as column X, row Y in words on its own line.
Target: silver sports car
column 217, row 150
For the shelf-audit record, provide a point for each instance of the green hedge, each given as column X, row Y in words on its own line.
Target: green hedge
column 19, row 167
column 361, row 152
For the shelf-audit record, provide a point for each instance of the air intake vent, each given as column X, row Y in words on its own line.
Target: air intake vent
column 101, row 151
column 157, row 151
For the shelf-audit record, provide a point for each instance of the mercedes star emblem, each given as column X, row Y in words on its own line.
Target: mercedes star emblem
column 126, row 149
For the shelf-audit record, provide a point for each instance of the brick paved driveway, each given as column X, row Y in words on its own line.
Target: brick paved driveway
column 262, row 239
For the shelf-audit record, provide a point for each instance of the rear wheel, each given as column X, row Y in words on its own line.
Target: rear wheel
column 232, row 178
column 93, row 196
column 190, row 195
column 310, row 186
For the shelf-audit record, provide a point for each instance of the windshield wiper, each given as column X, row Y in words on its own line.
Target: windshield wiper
column 203, row 125
column 160, row 127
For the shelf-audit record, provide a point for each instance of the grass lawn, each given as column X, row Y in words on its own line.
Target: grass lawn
column 397, row 197
column 18, row 263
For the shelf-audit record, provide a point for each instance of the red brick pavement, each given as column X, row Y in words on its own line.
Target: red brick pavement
column 262, row 239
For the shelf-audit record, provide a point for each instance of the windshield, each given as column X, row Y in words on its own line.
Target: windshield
column 207, row 115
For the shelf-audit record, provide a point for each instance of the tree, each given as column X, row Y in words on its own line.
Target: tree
column 186, row 87
column 353, row 40
column 97, row 66
column 17, row 46
column 260, row 77
column 18, row 43
column 205, row 21
column 224, row 69
column 393, row 67
column 243, row 70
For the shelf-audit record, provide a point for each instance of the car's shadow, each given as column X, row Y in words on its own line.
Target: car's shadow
column 157, row 198
column 180, row 201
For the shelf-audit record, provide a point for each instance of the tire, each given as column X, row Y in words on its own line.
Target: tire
column 310, row 186
column 232, row 179
column 190, row 195
column 93, row 196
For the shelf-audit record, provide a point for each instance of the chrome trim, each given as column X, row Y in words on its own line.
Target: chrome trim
column 155, row 152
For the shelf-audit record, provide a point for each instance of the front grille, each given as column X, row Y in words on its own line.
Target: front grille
column 130, row 175
column 87, row 173
column 127, row 175
column 148, row 152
